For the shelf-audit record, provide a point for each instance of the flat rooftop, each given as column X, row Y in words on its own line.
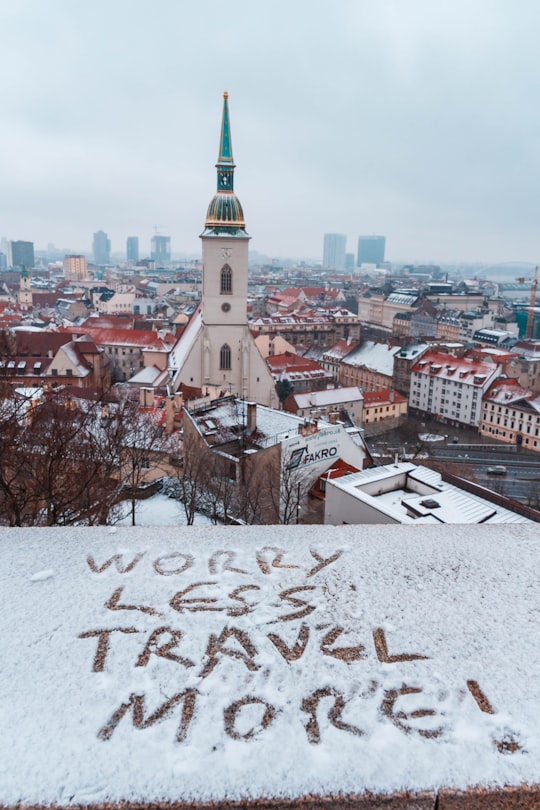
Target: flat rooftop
column 412, row 493
column 270, row 667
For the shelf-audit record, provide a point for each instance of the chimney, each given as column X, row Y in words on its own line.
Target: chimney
column 251, row 417
column 169, row 413
column 146, row 397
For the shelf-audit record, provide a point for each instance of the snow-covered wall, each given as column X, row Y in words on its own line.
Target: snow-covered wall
column 229, row 664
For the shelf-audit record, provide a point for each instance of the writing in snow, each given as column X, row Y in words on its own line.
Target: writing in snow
column 410, row 708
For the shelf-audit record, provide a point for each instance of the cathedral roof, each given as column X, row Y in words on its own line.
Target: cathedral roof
column 225, row 216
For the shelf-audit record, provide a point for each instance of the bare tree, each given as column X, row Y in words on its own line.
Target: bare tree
column 52, row 469
column 143, row 448
column 221, row 488
column 17, row 500
column 192, row 477
column 252, row 503
column 287, row 485
column 67, row 461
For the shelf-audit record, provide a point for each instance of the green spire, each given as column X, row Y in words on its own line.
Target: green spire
column 224, row 216
column 225, row 164
column 225, row 145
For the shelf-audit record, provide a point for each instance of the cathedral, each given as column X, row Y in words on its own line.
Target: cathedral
column 216, row 352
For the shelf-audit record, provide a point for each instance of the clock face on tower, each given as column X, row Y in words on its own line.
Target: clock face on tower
column 226, row 253
column 226, row 306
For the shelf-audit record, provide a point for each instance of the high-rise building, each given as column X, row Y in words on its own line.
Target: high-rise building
column 217, row 351
column 75, row 267
column 335, row 245
column 132, row 249
column 161, row 248
column 101, row 248
column 370, row 250
column 21, row 254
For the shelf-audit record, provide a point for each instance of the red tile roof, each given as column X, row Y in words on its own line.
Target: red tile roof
column 139, row 338
column 385, row 397
column 446, row 366
column 109, row 322
column 289, row 361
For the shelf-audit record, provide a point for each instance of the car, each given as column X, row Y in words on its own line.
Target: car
column 497, row 469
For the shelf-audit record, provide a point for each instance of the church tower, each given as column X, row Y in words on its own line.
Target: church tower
column 25, row 290
column 217, row 350
column 225, row 243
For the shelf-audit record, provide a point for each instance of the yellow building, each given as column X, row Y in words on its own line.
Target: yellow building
column 75, row 267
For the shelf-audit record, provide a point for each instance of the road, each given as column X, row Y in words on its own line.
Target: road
column 521, row 481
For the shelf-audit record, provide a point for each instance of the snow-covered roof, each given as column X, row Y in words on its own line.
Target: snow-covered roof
column 272, row 425
column 394, row 497
column 29, row 393
column 146, row 376
column 186, row 341
column 225, row 664
column 374, row 356
column 412, row 351
column 402, row 299
column 332, row 396
column 463, row 369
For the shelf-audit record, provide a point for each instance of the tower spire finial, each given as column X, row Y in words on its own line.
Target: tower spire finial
column 225, row 157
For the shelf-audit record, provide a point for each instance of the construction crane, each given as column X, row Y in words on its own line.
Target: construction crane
column 532, row 305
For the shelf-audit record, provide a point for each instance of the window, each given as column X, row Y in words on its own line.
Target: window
column 226, row 280
column 225, row 357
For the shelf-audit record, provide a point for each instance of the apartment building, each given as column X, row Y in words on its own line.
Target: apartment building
column 130, row 350
column 511, row 414
column 332, row 404
column 383, row 410
column 370, row 366
column 379, row 310
column 451, row 388
column 302, row 373
column 310, row 328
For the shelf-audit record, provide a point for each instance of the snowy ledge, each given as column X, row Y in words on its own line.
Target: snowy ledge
column 273, row 667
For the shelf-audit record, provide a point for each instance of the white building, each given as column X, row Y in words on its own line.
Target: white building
column 121, row 303
column 474, row 319
column 406, row 493
column 451, row 388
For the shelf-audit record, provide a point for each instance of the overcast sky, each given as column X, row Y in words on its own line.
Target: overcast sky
column 417, row 119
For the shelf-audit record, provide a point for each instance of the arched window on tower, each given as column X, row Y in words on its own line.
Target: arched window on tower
column 225, row 357
column 226, row 280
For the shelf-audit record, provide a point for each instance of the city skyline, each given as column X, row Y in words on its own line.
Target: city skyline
column 368, row 117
